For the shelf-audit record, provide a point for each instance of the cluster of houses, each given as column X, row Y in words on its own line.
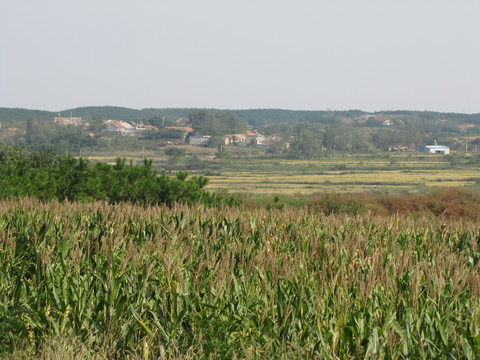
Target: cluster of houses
column 131, row 129
column 125, row 128
column 247, row 138
column 429, row 149
column 62, row 120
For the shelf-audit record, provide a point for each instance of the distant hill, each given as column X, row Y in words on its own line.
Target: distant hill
column 108, row 112
column 254, row 117
column 17, row 114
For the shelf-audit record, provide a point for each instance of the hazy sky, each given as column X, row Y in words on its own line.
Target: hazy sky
column 303, row 54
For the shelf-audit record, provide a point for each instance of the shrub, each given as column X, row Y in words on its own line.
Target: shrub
column 76, row 179
column 338, row 204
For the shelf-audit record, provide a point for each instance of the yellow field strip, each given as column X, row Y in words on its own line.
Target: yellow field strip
column 340, row 181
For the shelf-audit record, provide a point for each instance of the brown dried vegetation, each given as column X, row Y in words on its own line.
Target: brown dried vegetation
column 453, row 203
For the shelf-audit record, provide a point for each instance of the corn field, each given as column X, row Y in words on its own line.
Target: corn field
column 100, row 281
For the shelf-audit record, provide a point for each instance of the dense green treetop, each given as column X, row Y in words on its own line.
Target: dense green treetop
column 45, row 176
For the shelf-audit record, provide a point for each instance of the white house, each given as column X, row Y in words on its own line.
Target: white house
column 437, row 149
column 199, row 139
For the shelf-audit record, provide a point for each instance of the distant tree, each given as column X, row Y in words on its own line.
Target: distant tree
column 229, row 123
column 216, row 123
column 330, row 137
column 175, row 153
column 198, row 117
column 160, row 122
column 38, row 134
column 163, row 134
column 97, row 123
column 306, row 142
column 372, row 122
column 214, row 141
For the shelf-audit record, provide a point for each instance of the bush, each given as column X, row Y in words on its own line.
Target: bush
column 25, row 173
column 339, row 204
column 175, row 153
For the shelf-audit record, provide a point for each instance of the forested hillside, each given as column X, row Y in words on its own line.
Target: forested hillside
column 254, row 117
column 107, row 112
column 16, row 114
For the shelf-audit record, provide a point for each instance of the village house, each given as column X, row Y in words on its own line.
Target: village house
column 117, row 126
column 248, row 138
column 398, row 147
column 142, row 127
column 60, row 120
column 198, row 139
column 232, row 139
column 435, row 149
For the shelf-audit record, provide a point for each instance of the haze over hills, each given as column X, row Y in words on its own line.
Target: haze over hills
column 254, row 117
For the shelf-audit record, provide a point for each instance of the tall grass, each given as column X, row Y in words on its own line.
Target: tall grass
column 123, row 281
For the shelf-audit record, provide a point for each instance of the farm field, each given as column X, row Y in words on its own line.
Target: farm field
column 341, row 181
column 254, row 173
column 99, row 281
column 395, row 173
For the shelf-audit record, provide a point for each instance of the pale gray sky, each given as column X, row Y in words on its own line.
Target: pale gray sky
column 303, row 54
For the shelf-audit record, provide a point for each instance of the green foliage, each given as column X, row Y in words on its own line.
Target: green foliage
column 175, row 153
column 163, row 134
column 46, row 176
column 17, row 115
column 190, row 282
column 256, row 117
column 22, row 156
column 372, row 122
column 453, row 159
column 214, row 141
column 216, row 123
column 276, row 204
column 42, row 134
column 331, row 204
column 411, row 136
column 306, row 142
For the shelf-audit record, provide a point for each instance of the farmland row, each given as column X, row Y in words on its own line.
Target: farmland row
column 170, row 282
